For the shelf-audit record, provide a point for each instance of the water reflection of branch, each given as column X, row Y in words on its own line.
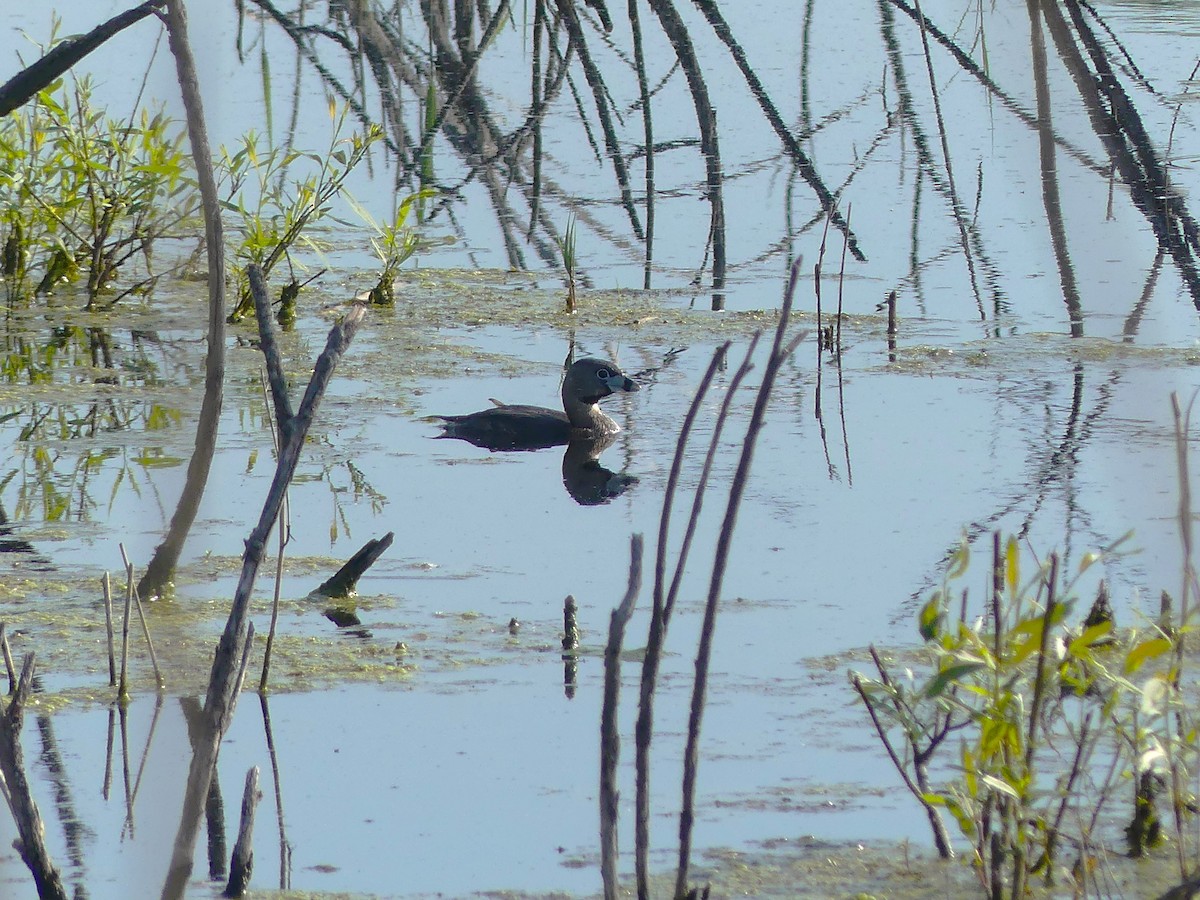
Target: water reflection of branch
column 595, row 80
column 972, row 68
column 1056, row 468
column 1049, row 171
column 803, row 164
column 956, row 206
column 1134, row 320
column 925, row 160
column 1119, row 127
column 706, row 119
column 137, row 780
column 300, row 35
column 648, row 137
column 64, row 805
column 459, row 76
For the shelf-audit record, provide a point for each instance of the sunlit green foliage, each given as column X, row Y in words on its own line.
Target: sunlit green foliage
column 394, row 243
column 567, row 247
column 273, row 209
column 83, row 194
column 1053, row 721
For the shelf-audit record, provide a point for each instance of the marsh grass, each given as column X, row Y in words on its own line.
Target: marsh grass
column 570, row 261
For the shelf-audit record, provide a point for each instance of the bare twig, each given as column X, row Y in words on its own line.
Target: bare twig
column 25, row 84
column 142, row 618
column 108, row 630
column 231, row 657
column 123, row 681
column 660, row 617
column 940, row 838
column 610, row 741
column 779, row 353
column 8, row 659
column 285, row 849
column 284, row 534
column 30, row 843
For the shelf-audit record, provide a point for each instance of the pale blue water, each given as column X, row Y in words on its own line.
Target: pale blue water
column 476, row 772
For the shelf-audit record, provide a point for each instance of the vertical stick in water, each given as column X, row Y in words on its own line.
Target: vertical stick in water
column 610, row 741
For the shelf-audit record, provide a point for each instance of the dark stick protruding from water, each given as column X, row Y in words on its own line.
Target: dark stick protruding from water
column 780, row 351
column 31, row 844
column 106, row 585
column 891, row 326
column 610, row 741
column 570, row 644
column 241, row 865
column 570, row 639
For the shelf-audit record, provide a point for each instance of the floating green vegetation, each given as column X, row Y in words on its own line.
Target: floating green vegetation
column 1020, row 351
column 60, row 616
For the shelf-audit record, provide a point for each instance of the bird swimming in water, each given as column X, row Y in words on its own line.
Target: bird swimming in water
column 519, row 427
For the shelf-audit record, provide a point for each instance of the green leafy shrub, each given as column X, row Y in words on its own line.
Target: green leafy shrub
column 82, row 194
column 1051, row 720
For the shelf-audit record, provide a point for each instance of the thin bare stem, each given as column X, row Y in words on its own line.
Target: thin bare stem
column 779, row 353
column 940, row 838
column 142, row 618
column 610, row 740
column 8, row 659
column 284, row 534
column 660, row 617
column 162, row 563
column 123, row 685
column 108, row 629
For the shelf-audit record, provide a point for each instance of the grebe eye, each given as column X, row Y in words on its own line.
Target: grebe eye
column 603, row 374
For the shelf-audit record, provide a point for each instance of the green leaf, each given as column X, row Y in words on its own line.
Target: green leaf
column 960, row 559
column 929, row 621
column 948, row 676
column 1012, row 566
column 1144, row 651
column 1089, row 637
column 1025, row 647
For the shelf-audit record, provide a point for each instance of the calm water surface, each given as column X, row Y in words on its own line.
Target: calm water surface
column 465, row 766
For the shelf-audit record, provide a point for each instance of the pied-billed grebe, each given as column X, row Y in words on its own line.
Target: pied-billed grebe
column 517, row 427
